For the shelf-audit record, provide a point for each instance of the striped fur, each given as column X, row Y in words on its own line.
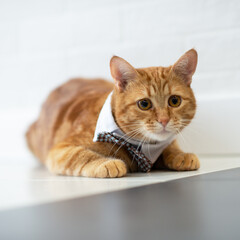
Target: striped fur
column 62, row 136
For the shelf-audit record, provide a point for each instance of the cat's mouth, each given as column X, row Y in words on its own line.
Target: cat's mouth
column 163, row 131
column 160, row 131
column 158, row 134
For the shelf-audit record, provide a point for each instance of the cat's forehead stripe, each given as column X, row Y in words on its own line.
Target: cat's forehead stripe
column 152, row 90
column 164, row 85
column 156, row 82
column 155, row 86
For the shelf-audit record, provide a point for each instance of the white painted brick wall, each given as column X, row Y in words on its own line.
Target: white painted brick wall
column 43, row 43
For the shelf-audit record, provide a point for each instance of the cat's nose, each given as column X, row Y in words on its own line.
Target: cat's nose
column 164, row 121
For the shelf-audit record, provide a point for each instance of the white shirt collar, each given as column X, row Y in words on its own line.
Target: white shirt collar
column 106, row 123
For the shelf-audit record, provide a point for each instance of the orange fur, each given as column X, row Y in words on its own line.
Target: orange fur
column 62, row 136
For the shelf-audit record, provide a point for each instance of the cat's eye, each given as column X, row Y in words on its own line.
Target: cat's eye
column 174, row 101
column 144, row 104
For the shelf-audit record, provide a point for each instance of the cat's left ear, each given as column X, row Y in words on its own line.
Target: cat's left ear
column 186, row 66
column 122, row 72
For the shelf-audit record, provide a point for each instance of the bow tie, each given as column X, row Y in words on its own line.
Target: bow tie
column 144, row 164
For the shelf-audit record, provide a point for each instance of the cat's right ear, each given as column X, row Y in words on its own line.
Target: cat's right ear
column 185, row 67
column 122, row 72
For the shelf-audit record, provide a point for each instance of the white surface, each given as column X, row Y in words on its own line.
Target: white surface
column 24, row 185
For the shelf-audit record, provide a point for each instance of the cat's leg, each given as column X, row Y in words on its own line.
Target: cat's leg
column 174, row 158
column 72, row 160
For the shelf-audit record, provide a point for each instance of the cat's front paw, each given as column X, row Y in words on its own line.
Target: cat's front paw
column 184, row 162
column 112, row 168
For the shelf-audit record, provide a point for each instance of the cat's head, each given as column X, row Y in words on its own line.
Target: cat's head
column 153, row 103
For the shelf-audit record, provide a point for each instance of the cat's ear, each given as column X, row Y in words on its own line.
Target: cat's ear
column 186, row 65
column 122, row 72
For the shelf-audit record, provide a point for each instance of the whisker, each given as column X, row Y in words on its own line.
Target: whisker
column 131, row 125
column 122, row 137
column 143, row 140
column 129, row 135
column 193, row 130
column 125, row 142
column 140, row 143
column 183, row 139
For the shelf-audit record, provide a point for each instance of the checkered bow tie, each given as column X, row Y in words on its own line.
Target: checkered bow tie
column 143, row 162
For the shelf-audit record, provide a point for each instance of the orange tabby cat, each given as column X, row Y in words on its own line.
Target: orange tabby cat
column 153, row 103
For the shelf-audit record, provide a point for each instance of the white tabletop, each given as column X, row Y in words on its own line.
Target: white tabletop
column 29, row 183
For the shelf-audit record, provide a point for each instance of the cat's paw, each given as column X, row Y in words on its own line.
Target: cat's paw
column 112, row 168
column 184, row 162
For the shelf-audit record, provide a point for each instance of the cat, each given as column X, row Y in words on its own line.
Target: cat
column 148, row 105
